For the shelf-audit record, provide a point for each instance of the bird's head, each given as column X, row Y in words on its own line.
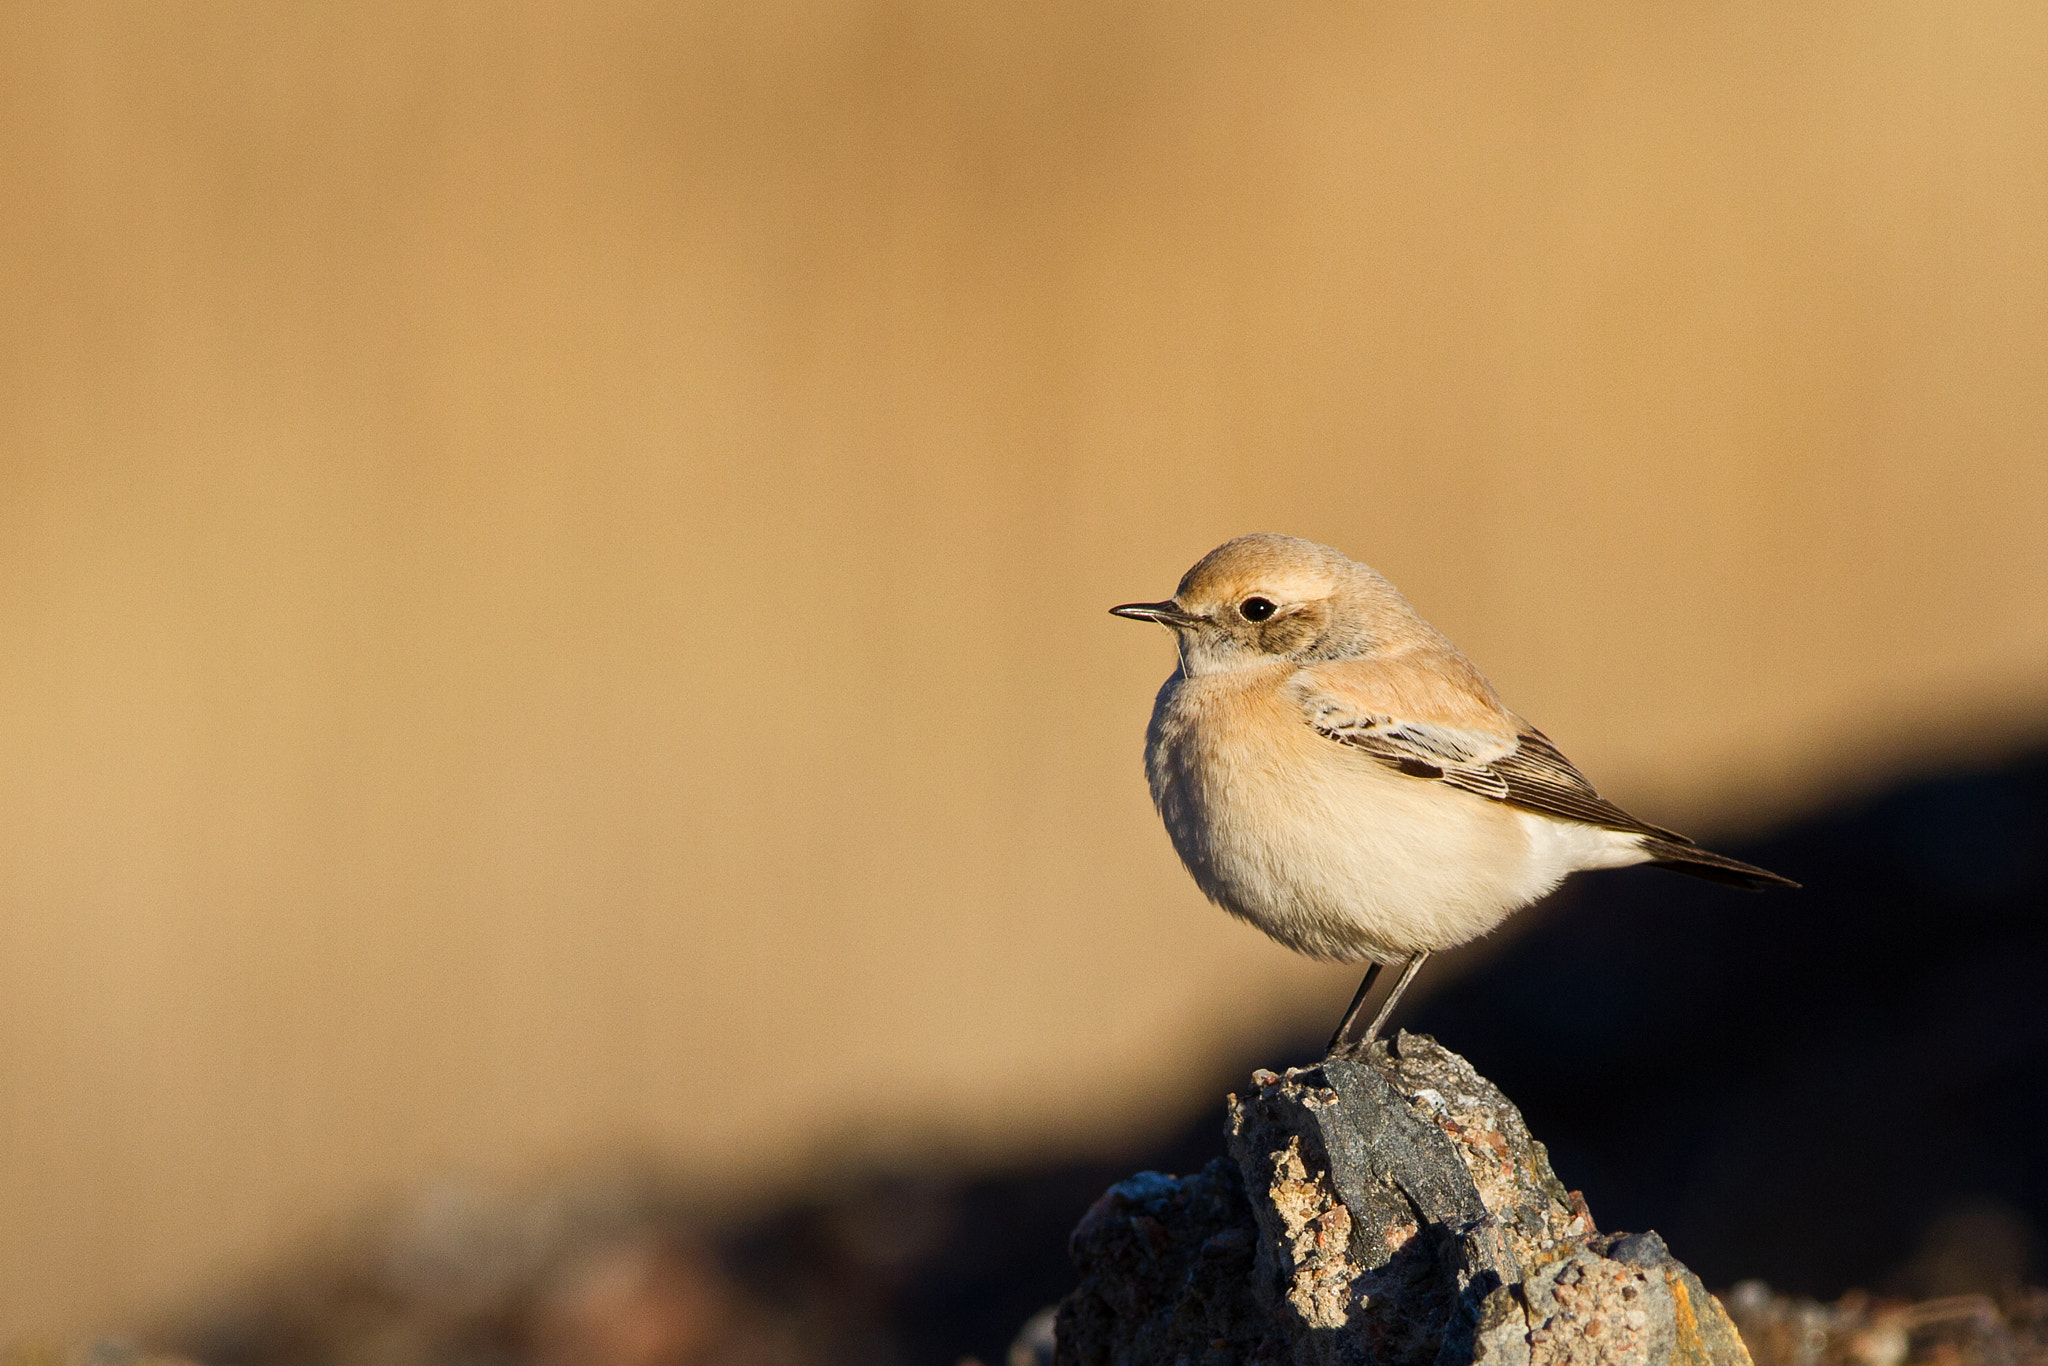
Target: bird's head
column 1263, row 598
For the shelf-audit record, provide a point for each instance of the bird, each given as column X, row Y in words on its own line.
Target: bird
column 1331, row 768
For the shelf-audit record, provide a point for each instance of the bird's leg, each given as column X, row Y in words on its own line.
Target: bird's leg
column 1351, row 1015
column 1387, row 1006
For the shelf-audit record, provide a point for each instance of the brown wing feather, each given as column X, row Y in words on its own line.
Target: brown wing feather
column 1539, row 778
column 1429, row 714
column 1434, row 719
column 1529, row 772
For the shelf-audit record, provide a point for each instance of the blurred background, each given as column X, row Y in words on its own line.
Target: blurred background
column 552, row 578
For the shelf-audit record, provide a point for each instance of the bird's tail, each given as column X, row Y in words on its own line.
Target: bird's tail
column 1698, row 862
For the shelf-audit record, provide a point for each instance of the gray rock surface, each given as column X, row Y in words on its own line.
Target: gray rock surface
column 1390, row 1207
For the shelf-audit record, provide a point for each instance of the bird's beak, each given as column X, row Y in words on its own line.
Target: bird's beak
column 1165, row 613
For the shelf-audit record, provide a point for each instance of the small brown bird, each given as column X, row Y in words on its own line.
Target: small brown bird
column 1332, row 770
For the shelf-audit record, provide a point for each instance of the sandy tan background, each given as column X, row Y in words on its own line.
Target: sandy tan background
column 553, row 558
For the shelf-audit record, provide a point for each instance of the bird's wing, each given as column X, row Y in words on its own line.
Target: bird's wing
column 1481, row 749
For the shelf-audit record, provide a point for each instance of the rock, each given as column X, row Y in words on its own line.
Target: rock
column 1388, row 1207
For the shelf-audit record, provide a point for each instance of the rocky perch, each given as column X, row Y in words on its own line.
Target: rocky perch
column 1388, row 1207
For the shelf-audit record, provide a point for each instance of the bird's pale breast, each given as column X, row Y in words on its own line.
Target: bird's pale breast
column 1320, row 846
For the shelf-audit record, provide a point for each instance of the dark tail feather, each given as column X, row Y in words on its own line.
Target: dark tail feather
column 1698, row 862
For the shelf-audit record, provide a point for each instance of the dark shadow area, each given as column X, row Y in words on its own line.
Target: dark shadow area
column 1840, row 1086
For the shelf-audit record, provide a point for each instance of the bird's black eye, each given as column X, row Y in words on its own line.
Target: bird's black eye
column 1256, row 609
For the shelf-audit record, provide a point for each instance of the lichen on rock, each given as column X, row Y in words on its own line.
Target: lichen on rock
column 1386, row 1206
